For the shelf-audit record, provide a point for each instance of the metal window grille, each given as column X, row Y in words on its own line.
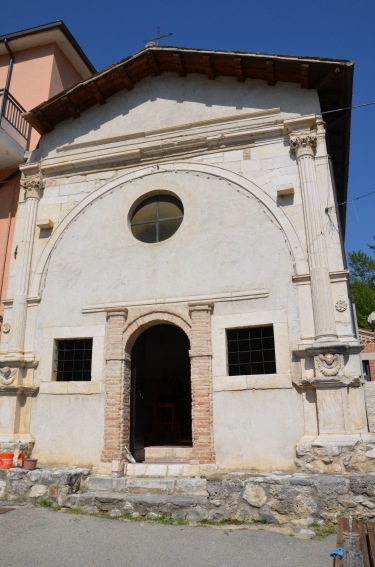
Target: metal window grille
column 73, row 360
column 251, row 350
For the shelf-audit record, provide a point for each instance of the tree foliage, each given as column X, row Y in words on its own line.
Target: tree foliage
column 362, row 284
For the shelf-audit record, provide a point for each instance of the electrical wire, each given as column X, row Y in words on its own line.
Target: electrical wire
column 349, row 201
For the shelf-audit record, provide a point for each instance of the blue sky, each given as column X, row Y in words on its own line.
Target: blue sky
column 112, row 30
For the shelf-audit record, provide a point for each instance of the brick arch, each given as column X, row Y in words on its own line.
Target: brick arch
column 120, row 338
column 156, row 317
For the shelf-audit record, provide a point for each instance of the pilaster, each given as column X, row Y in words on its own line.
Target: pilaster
column 201, row 383
column 338, row 391
column 303, row 144
column 117, row 389
column 33, row 191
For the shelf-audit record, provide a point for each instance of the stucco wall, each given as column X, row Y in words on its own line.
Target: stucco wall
column 237, row 238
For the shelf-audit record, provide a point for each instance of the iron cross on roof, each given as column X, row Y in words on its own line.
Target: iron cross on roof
column 155, row 40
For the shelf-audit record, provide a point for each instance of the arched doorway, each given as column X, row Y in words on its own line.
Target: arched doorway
column 160, row 389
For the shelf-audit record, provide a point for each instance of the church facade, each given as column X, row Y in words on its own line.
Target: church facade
column 180, row 281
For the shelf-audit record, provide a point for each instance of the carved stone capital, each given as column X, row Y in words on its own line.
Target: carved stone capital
column 303, row 143
column 33, row 186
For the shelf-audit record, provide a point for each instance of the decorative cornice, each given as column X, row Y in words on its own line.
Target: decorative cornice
column 33, row 186
column 10, row 390
column 303, row 143
column 209, row 136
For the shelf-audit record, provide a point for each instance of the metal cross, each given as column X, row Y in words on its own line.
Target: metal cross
column 157, row 38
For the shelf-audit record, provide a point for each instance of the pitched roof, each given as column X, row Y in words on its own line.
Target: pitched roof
column 332, row 78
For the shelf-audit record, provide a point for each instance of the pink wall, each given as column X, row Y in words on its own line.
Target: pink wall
column 38, row 74
column 64, row 75
column 9, row 194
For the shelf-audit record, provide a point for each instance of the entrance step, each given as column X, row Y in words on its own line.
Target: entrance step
column 103, row 485
column 175, row 497
column 167, row 454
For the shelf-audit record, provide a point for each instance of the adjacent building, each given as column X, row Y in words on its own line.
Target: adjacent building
column 35, row 65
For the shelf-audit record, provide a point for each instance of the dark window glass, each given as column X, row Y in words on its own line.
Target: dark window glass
column 157, row 218
column 251, row 350
column 73, row 360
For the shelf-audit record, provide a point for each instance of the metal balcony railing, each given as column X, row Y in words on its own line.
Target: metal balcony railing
column 11, row 112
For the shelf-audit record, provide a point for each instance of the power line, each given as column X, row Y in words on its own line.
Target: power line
column 347, row 108
column 349, row 201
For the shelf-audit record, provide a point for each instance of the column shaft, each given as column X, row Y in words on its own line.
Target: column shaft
column 303, row 144
column 33, row 187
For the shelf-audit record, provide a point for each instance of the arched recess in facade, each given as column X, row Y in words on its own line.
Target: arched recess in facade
column 276, row 213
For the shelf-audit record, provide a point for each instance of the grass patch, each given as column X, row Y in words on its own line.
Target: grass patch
column 162, row 519
column 231, row 522
column 159, row 519
column 48, row 504
column 324, row 531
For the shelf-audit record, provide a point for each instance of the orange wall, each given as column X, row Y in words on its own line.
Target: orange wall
column 64, row 75
column 9, row 195
column 38, row 74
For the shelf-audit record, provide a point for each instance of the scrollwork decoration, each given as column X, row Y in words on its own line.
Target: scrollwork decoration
column 328, row 364
column 7, row 375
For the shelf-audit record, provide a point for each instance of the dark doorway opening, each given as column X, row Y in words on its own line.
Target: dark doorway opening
column 160, row 389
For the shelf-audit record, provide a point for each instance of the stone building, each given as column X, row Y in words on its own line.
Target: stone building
column 180, row 282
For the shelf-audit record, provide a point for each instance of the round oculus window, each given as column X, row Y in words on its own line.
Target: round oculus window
column 157, row 218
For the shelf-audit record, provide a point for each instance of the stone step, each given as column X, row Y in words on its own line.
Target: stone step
column 150, row 505
column 137, row 485
column 165, row 453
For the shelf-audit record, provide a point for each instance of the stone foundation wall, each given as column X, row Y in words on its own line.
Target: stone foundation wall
column 296, row 499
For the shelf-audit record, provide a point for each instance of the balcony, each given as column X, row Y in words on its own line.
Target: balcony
column 14, row 131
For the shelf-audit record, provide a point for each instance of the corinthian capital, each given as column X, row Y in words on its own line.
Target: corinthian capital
column 303, row 143
column 33, row 186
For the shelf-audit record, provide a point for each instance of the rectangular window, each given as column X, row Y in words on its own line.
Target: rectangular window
column 366, row 369
column 73, row 359
column 251, row 350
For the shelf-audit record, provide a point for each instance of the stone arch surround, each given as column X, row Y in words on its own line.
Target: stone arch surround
column 276, row 213
column 121, row 335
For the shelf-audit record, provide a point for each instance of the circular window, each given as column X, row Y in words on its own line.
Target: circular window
column 157, row 218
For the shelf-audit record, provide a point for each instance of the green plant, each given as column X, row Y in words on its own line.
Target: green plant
column 323, row 531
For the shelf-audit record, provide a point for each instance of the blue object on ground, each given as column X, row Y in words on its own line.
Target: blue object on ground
column 339, row 551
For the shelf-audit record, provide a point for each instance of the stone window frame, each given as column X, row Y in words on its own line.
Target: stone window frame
column 222, row 381
column 46, row 365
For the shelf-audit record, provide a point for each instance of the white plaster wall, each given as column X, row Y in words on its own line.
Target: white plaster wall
column 68, row 429
column 228, row 242
column 225, row 243
column 257, row 429
column 178, row 101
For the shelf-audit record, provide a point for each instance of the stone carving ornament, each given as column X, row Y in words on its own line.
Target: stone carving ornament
column 7, row 375
column 341, row 305
column 303, row 141
column 33, row 186
column 328, row 364
column 6, row 328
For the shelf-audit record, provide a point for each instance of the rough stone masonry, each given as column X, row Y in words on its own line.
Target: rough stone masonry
column 286, row 499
